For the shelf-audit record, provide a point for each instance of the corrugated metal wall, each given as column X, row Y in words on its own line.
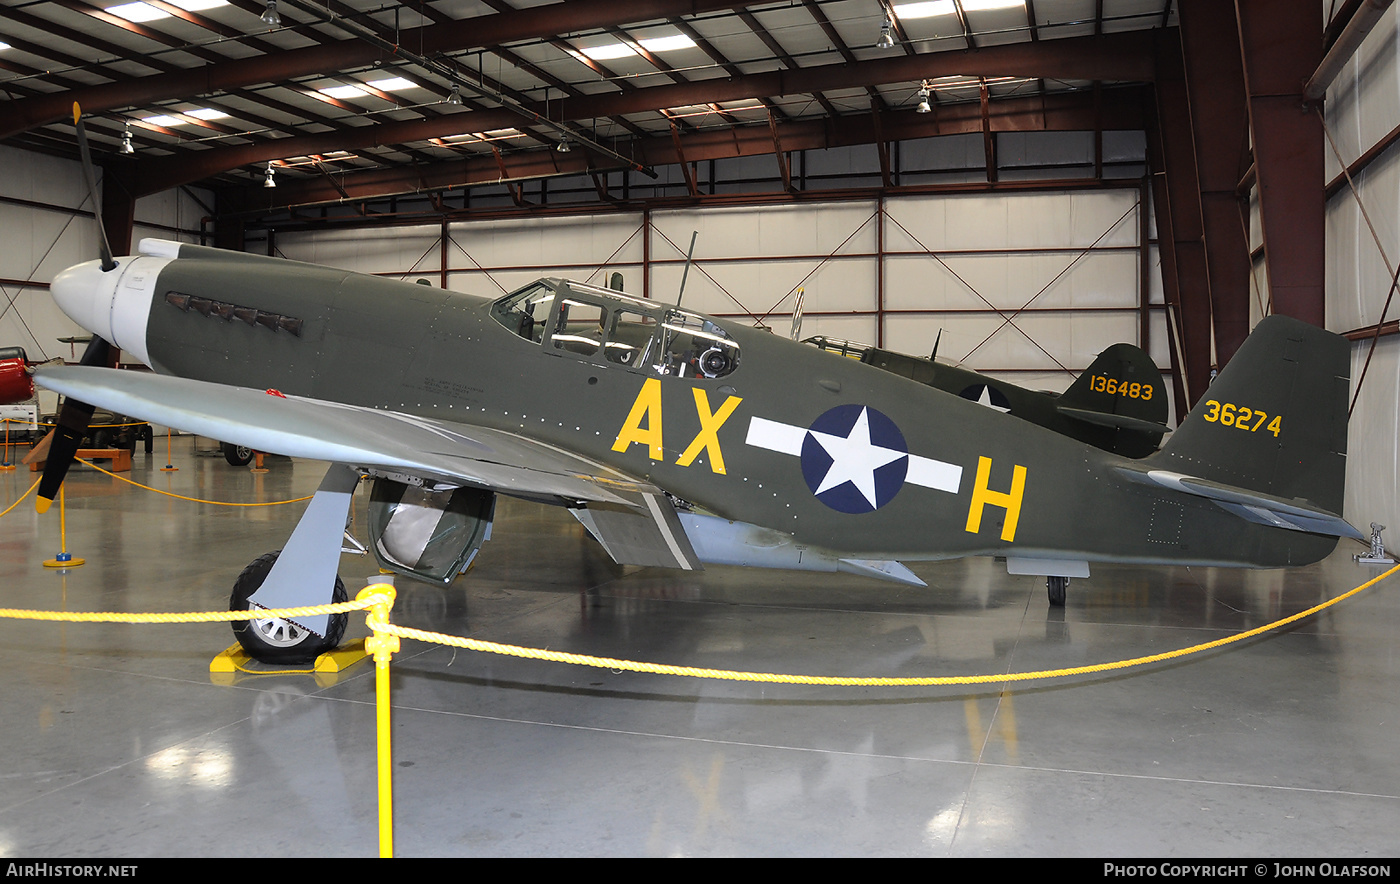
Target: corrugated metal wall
column 1028, row 285
column 1363, row 106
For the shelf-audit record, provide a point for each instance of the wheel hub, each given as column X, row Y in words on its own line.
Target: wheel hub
column 280, row 632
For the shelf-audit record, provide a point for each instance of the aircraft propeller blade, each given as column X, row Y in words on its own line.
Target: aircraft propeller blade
column 73, row 419
column 74, row 416
column 104, row 247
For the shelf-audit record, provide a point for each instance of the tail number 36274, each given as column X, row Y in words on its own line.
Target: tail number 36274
column 1241, row 417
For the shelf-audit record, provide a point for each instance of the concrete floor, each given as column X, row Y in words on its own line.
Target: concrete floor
column 117, row 743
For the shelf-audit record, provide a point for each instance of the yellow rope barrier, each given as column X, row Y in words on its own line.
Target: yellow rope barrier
column 779, row 678
column 21, row 498
column 183, row 497
column 378, row 601
column 185, row 616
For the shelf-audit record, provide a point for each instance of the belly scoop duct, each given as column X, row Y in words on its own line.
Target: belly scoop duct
column 428, row 535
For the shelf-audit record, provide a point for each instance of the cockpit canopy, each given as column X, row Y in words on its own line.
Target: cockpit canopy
column 602, row 325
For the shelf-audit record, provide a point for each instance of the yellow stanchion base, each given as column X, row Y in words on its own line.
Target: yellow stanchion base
column 169, row 469
column 71, row 562
column 231, row 659
column 342, row 658
column 6, row 467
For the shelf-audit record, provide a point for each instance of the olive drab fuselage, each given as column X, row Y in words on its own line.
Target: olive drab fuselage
column 833, row 452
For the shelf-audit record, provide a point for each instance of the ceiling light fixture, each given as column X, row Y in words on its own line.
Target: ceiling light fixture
column 392, row 84
column 564, row 146
column 348, row 90
column 886, row 40
column 985, row 5
column 610, row 51
column 272, row 20
column 455, row 98
column 268, row 181
column 923, row 106
column 926, row 9
column 127, row 147
column 137, row 12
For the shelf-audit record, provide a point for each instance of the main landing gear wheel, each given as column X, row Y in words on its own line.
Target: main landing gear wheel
column 1055, row 587
column 275, row 640
column 236, row 455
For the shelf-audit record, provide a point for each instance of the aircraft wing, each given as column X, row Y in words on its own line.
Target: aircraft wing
column 367, row 438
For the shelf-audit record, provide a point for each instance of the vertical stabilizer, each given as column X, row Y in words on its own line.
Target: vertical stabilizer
column 1275, row 420
column 1122, row 380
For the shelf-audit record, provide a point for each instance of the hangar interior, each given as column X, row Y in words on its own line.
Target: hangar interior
column 1086, row 172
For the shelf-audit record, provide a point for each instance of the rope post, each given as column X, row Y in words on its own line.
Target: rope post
column 383, row 646
column 64, row 559
column 5, row 464
column 169, row 463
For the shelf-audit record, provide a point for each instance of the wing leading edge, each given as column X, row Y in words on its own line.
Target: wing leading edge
column 453, row 453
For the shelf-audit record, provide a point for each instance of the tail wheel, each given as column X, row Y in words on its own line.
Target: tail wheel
column 1055, row 587
column 275, row 640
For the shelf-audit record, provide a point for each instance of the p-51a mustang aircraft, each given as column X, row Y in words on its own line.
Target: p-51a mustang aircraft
column 675, row 438
column 620, row 408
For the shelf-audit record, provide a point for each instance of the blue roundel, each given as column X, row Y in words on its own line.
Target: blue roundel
column 854, row 459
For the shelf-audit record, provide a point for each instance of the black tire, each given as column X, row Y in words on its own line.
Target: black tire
column 280, row 641
column 102, row 438
column 236, row 455
column 1055, row 587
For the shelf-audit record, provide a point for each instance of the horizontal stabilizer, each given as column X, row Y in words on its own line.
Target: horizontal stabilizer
column 1114, row 421
column 1254, row 506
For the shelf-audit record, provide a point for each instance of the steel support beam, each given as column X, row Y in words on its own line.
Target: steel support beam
column 1183, row 202
column 1117, row 57
column 1220, row 133
column 1363, row 19
column 468, row 33
column 1281, row 44
column 1121, row 109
